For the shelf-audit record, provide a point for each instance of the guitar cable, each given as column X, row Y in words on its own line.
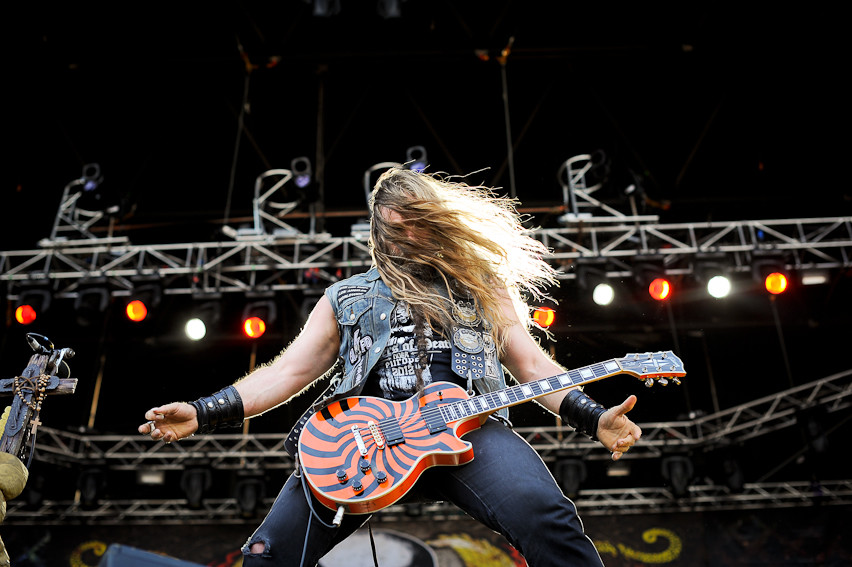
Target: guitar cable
column 334, row 525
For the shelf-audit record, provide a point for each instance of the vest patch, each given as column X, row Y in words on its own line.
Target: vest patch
column 347, row 292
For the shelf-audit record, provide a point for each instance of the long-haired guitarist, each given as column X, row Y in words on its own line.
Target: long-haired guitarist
column 443, row 302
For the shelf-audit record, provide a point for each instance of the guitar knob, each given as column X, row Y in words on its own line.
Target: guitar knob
column 381, row 477
column 341, row 476
column 364, row 465
column 357, row 486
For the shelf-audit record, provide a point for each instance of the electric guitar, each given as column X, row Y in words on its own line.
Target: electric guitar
column 362, row 454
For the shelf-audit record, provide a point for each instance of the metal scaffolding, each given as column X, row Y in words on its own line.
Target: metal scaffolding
column 265, row 452
column 274, row 263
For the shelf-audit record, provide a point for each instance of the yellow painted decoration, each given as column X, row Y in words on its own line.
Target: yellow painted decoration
column 98, row 548
column 474, row 552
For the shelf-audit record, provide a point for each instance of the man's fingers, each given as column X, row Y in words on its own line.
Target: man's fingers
column 627, row 404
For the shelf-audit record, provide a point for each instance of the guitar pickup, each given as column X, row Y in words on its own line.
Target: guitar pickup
column 391, row 431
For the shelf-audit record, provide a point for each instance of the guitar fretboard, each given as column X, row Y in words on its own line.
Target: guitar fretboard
column 513, row 395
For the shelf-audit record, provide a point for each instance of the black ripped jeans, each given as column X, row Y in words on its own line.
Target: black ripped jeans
column 507, row 487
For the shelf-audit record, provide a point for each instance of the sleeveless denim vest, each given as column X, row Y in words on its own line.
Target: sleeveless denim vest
column 363, row 306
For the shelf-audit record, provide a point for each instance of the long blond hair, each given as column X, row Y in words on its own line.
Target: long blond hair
column 463, row 237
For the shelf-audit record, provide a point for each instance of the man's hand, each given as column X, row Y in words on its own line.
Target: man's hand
column 170, row 422
column 616, row 431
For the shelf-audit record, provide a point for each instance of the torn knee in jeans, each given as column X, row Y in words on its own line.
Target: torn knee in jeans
column 256, row 546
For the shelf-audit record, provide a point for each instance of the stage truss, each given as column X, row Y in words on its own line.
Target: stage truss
column 265, row 452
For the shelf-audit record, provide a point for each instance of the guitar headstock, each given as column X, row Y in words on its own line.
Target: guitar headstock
column 654, row 367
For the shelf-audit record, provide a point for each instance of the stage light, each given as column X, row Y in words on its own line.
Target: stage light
column 249, row 493
column 592, row 274
column 25, row 314
column 90, row 304
column 254, row 327
column 775, row 283
column 302, row 175
column 90, row 486
column 203, row 316
column 660, row 289
column 136, row 310
column 649, row 272
column 603, row 294
column 195, row 329
column 719, row 286
column 771, row 271
column 678, row 470
column 544, row 317
column 713, row 271
column 326, row 8
column 143, row 299
column 32, row 302
column 388, row 9
column 415, row 158
column 194, row 482
column 151, row 477
column 257, row 317
column 814, row 277
column 96, row 195
column 733, row 474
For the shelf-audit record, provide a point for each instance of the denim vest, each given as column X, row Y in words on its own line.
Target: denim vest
column 363, row 306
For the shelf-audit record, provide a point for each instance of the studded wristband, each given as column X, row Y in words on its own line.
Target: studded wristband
column 581, row 412
column 222, row 409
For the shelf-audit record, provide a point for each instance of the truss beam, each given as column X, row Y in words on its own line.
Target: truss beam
column 273, row 263
column 701, row 498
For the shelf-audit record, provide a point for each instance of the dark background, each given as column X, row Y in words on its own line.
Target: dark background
column 721, row 113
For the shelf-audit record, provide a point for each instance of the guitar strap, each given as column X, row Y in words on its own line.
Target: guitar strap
column 291, row 443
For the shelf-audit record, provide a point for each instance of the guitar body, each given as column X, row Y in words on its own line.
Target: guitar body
column 362, row 454
column 365, row 453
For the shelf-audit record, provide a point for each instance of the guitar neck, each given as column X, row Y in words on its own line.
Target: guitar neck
column 647, row 366
column 518, row 394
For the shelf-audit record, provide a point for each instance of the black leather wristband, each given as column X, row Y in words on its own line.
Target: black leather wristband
column 222, row 409
column 581, row 412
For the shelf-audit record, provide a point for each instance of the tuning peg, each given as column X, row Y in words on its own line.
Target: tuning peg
column 649, row 382
column 663, row 381
column 676, row 380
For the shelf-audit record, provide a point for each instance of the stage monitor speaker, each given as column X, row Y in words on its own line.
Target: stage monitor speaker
column 123, row 556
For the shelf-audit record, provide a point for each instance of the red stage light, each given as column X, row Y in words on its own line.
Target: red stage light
column 775, row 283
column 544, row 316
column 254, row 327
column 25, row 314
column 136, row 311
column 660, row 289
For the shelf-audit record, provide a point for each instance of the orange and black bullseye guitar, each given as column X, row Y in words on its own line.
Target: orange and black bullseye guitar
column 362, row 454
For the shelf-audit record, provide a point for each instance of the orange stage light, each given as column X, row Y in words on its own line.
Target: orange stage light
column 136, row 311
column 775, row 283
column 660, row 289
column 254, row 327
column 544, row 316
